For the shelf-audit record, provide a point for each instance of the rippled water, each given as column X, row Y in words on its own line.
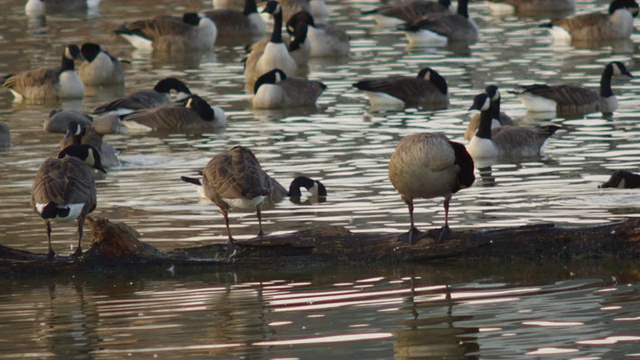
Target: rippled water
column 347, row 146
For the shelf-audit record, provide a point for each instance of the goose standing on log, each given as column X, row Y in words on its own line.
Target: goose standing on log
column 513, row 142
column 410, row 11
column 99, row 67
column 233, row 22
column 499, row 120
column 574, row 99
column 49, row 84
column 442, row 28
column 429, row 165
column 594, row 27
column 275, row 54
column 193, row 31
column 274, row 90
column 64, row 189
column 428, row 89
column 325, row 40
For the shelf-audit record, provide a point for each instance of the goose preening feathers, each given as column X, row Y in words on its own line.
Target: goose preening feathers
column 409, row 11
column 274, row 90
column 622, row 179
column 442, row 28
column 429, row 165
column 99, row 67
column 325, row 40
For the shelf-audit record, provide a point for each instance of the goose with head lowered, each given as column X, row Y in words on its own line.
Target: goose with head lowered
column 622, row 179
column 49, row 84
column 409, row 11
column 274, row 90
column 190, row 114
column 429, row 89
column 442, row 28
column 499, row 120
column 233, row 22
column 507, row 142
column 99, row 67
column 429, row 165
column 192, row 31
column 574, row 99
column 325, row 40
column 616, row 24
column 146, row 99
column 64, row 189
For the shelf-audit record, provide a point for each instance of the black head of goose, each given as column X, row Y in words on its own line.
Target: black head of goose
column 192, row 31
column 79, row 133
column 64, row 189
column 234, row 23
column 442, row 28
column 146, row 99
column 325, row 40
column 49, row 84
column 299, row 47
column 429, row 89
column 316, row 189
column 410, row 11
column 499, row 118
column 275, row 90
column 99, row 67
column 429, row 165
column 509, row 141
column 568, row 99
column 622, row 179
column 616, row 24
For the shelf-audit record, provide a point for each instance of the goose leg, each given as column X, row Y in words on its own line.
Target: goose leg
column 50, row 253
column 413, row 234
column 226, row 221
column 78, row 251
column 259, row 213
column 445, row 231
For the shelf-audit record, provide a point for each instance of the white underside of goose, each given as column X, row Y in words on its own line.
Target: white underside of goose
column 17, row 97
column 269, row 96
column 138, row 42
column 425, row 37
column 380, row 99
column 538, row 103
column 74, row 211
column 560, row 34
column 482, row 148
column 245, row 203
column 70, row 85
column 219, row 116
column 387, row 20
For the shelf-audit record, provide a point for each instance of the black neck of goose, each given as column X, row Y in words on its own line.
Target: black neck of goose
column 250, row 7
column 463, row 8
column 484, row 129
column 276, row 35
column 67, row 64
column 439, row 82
column 632, row 181
column 605, row 82
column 495, row 108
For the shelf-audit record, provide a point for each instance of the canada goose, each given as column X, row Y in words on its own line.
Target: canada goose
column 275, row 53
column 622, row 179
column 499, row 118
column 532, row 6
column 428, row 89
column 325, row 40
column 49, row 84
column 508, row 141
column 58, row 121
column 190, row 114
column 574, row 99
column 234, row 179
column 429, row 165
column 617, row 24
column 84, row 133
column 410, row 11
column 169, row 33
column 297, row 43
column 64, row 189
column 5, row 136
column 42, row 7
column 275, row 90
column 98, row 67
column 441, row 28
column 233, row 22
column 146, row 99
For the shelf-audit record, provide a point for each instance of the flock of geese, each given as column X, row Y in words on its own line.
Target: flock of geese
column 424, row 165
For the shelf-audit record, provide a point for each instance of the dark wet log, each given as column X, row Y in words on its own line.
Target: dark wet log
column 116, row 244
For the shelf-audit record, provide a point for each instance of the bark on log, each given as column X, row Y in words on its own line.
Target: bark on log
column 117, row 245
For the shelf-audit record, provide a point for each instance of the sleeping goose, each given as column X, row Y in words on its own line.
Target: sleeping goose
column 234, row 179
column 275, row 53
column 410, row 11
column 146, row 99
column 233, row 22
column 193, row 31
column 429, row 165
column 99, row 67
column 442, row 28
column 190, row 114
column 325, row 40
column 499, row 118
column 622, row 179
column 574, row 99
column 274, row 90
column 509, row 141
column 428, row 89
column 617, row 24
column 532, row 6
column 43, row 7
column 64, row 189
column 49, row 84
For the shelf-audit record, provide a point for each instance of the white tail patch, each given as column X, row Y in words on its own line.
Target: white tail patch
column 134, row 127
column 74, row 210
column 384, row 100
column 560, row 34
column 243, row 203
column 138, row 41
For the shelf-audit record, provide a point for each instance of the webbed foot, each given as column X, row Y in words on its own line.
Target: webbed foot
column 412, row 236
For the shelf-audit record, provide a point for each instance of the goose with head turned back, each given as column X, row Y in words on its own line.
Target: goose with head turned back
column 192, row 31
column 498, row 120
column 622, row 179
column 146, row 99
column 325, row 40
column 64, row 189
column 617, row 24
column 428, row 89
column 442, row 28
column 274, row 90
column 410, row 11
column 233, row 22
column 510, row 141
column 574, row 99
column 275, row 53
column 99, row 67
column 429, row 165
column 49, row 84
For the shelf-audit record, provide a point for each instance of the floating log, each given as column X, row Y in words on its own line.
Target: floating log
column 118, row 245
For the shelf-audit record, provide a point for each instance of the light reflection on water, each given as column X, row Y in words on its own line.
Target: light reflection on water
column 346, row 145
